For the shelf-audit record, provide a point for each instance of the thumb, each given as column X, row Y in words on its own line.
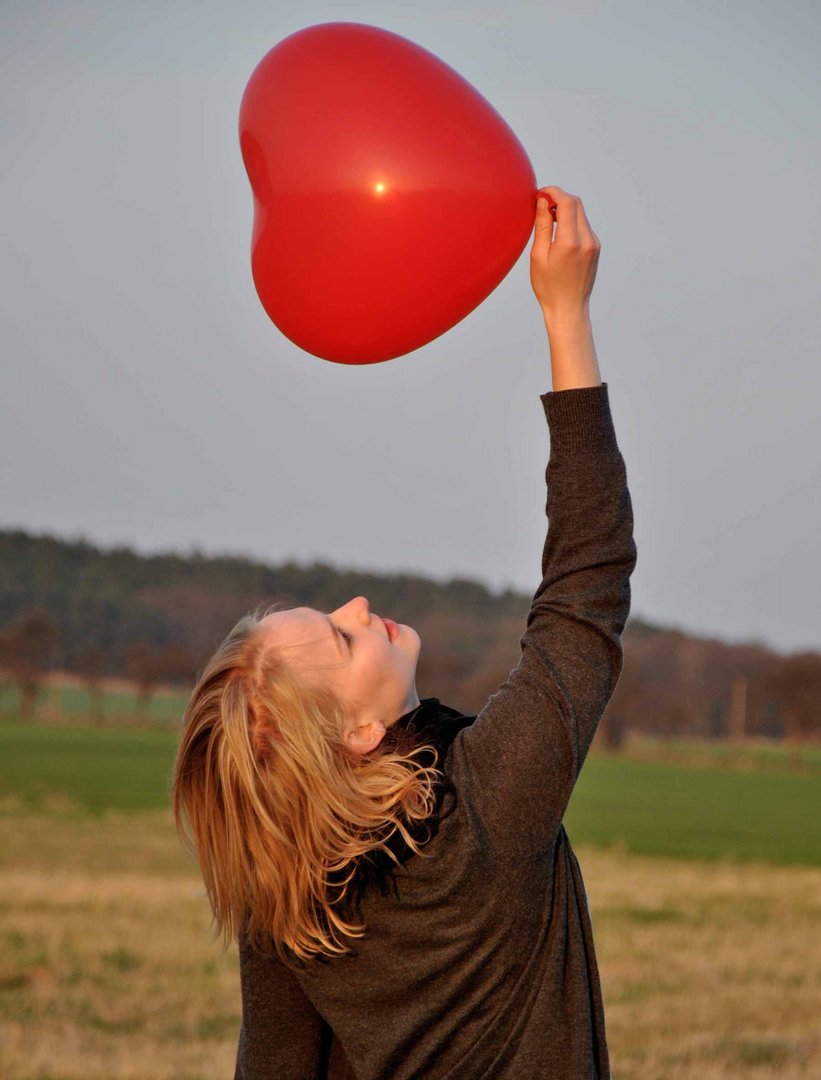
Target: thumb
column 544, row 220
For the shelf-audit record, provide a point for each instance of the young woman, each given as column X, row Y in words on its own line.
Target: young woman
column 406, row 900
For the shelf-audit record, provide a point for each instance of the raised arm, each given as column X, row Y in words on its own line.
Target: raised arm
column 562, row 273
column 516, row 766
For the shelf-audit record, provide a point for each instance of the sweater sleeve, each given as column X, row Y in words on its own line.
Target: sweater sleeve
column 282, row 1034
column 515, row 767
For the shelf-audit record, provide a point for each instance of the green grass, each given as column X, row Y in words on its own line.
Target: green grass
column 646, row 807
column 55, row 766
column 652, row 808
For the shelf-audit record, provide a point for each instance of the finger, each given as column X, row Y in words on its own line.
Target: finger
column 585, row 228
column 553, row 191
column 567, row 216
column 544, row 221
column 543, row 199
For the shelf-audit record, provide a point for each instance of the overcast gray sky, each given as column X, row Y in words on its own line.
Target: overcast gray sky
column 147, row 398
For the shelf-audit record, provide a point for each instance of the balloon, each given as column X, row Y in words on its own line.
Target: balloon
column 390, row 198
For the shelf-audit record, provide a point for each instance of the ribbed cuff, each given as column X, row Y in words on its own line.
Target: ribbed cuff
column 579, row 419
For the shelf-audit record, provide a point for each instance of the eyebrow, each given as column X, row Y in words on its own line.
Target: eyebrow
column 335, row 633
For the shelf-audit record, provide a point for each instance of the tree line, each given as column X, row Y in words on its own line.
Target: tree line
column 71, row 606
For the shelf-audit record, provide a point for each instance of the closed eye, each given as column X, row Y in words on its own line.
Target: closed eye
column 346, row 637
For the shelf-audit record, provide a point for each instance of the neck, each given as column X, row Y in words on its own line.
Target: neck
column 412, row 702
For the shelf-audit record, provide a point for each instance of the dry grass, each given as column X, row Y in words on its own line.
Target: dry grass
column 108, row 968
column 709, row 970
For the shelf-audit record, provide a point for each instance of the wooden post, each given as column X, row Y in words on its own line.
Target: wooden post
column 738, row 710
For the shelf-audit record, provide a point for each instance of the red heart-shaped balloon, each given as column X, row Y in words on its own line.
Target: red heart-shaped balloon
column 390, row 198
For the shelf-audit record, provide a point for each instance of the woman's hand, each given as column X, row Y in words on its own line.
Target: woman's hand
column 562, row 268
column 562, row 272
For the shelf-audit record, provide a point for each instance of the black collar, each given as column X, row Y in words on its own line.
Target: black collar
column 430, row 722
column 433, row 724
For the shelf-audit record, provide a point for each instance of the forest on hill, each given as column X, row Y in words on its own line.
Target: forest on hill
column 70, row 605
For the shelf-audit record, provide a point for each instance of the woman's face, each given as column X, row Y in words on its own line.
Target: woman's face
column 369, row 662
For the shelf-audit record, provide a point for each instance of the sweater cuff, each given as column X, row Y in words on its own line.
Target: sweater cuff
column 579, row 419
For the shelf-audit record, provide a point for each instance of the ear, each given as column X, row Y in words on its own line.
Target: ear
column 363, row 738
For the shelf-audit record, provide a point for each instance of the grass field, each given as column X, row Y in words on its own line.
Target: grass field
column 84, row 769
column 711, row 964
column 705, row 812
column 646, row 807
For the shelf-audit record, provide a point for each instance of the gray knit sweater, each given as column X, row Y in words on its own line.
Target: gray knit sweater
column 480, row 964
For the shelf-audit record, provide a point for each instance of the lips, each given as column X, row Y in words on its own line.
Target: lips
column 392, row 629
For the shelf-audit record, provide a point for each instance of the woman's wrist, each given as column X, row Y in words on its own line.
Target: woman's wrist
column 573, row 357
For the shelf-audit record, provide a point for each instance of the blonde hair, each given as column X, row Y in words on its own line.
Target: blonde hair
column 276, row 810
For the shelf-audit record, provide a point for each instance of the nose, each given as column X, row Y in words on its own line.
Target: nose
column 362, row 608
column 358, row 608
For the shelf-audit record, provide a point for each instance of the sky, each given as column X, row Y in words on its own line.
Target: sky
column 148, row 400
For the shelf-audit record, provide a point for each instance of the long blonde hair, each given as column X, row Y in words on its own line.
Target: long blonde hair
column 276, row 810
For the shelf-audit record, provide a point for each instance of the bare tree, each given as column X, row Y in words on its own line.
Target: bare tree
column 26, row 650
column 795, row 682
column 89, row 666
column 144, row 664
column 179, row 665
